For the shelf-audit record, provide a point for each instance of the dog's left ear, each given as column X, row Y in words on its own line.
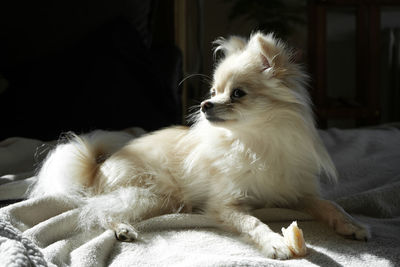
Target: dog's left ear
column 271, row 51
column 229, row 46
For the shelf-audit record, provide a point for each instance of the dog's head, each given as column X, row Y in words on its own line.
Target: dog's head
column 253, row 81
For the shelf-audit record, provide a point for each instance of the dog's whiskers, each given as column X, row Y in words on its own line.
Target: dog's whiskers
column 194, row 114
column 239, row 112
column 194, row 108
column 207, row 78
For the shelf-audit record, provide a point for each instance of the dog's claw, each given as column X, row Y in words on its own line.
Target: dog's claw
column 125, row 233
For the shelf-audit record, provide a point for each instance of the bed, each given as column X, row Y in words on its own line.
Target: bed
column 42, row 232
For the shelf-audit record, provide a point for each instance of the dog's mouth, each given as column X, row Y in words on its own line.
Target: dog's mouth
column 213, row 118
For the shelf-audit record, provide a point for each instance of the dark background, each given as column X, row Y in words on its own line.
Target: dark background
column 86, row 64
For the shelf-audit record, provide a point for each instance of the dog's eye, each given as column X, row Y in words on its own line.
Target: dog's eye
column 212, row 93
column 238, row 93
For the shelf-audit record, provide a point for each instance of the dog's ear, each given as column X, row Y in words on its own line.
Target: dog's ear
column 272, row 52
column 229, row 46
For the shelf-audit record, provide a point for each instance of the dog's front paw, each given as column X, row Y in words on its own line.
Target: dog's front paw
column 274, row 247
column 356, row 231
column 125, row 233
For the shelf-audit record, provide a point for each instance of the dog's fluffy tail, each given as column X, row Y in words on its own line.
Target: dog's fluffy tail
column 71, row 167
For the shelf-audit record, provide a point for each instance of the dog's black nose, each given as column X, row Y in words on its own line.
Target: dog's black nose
column 206, row 105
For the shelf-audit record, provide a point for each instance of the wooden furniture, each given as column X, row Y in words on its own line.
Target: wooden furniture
column 365, row 109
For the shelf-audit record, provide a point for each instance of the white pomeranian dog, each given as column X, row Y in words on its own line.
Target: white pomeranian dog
column 253, row 144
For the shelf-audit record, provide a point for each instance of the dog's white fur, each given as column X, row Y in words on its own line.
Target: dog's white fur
column 257, row 149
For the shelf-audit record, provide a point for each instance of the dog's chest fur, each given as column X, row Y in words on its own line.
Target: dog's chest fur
column 255, row 174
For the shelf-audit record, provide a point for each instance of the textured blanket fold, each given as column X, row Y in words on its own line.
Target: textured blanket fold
column 43, row 232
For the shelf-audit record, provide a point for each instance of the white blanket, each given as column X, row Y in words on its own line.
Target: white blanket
column 42, row 232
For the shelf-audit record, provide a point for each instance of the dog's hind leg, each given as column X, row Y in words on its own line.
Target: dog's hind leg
column 119, row 210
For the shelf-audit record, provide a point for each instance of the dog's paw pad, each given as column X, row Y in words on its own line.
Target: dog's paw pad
column 126, row 233
column 354, row 230
column 362, row 233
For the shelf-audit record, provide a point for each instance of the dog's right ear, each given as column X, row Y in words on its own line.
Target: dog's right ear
column 229, row 46
column 272, row 52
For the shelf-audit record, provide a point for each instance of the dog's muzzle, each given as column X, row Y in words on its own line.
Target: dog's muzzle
column 208, row 108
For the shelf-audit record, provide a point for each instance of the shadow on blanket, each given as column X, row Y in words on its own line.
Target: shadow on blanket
column 42, row 232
